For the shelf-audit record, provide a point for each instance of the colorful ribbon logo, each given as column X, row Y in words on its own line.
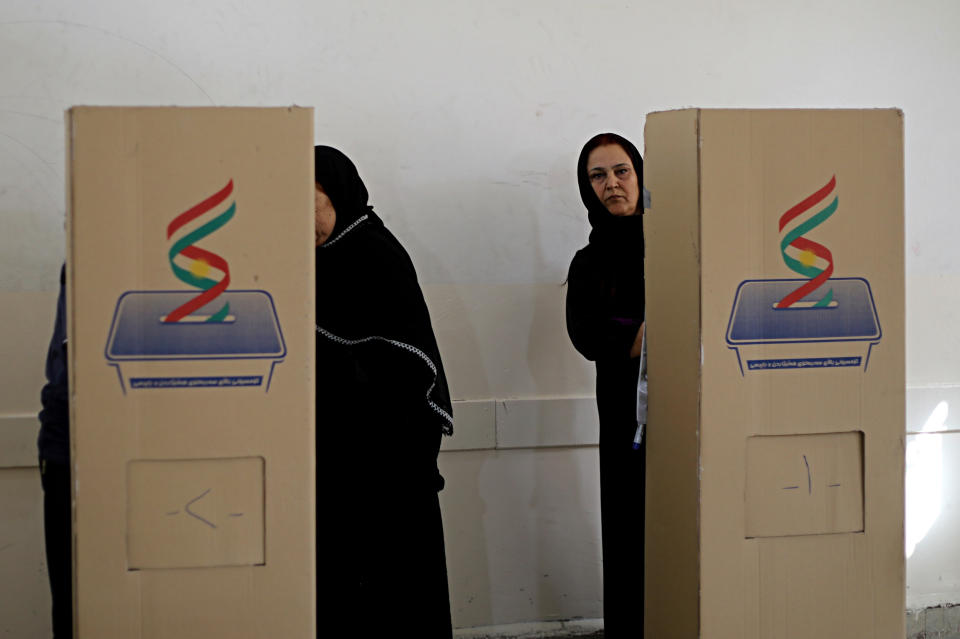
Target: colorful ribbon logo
column 197, row 271
column 801, row 255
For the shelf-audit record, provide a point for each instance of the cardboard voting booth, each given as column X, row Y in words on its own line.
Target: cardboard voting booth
column 190, row 322
column 775, row 318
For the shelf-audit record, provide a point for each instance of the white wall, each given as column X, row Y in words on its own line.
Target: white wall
column 465, row 119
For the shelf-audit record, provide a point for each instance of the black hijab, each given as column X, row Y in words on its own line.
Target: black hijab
column 369, row 302
column 341, row 182
column 616, row 245
column 621, row 237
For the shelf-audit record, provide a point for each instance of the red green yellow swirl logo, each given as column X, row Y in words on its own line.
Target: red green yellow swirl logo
column 804, row 256
column 199, row 267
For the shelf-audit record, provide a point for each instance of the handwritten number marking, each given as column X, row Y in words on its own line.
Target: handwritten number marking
column 195, row 515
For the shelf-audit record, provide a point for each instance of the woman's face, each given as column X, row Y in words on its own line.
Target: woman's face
column 324, row 215
column 613, row 179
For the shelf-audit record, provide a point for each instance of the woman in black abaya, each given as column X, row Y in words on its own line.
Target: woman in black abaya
column 605, row 311
column 382, row 406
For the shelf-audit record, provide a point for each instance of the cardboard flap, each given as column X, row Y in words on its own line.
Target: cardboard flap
column 804, row 484
column 195, row 513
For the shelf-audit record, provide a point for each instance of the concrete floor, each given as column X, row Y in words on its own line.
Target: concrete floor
column 568, row 629
column 536, row 635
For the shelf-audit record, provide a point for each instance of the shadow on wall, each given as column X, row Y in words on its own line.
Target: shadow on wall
column 464, row 527
column 568, row 553
column 462, row 504
column 522, row 536
column 521, row 526
column 566, row 497
column 68, row 63
column 549, row 350
column 25, row 595
column 457, row 335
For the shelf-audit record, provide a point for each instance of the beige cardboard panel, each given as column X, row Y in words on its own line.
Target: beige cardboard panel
column 755, row 166
column 673, row 296
column 195, row 513
column 885, row 452
column 812, row 587
column 132, row 172
column 804, row 485
column 884, row 516
column 171, row 607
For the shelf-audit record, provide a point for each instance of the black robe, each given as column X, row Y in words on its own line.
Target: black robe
column 605, row 309
column 382, row 406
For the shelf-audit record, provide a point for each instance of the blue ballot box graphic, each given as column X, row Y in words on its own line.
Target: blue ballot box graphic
column 239, row 351
column 766, row 337
column 817, row 322
column 210, row 337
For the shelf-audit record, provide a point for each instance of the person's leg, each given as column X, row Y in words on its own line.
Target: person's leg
column 434, row 582
column 405, row 566
column 57, row 522
column 340, row 546
column 622, row 532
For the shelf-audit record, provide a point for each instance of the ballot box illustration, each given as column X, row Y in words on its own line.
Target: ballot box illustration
column 818, row 322
column 211, row 337
column 149, row 352
column 767, row 337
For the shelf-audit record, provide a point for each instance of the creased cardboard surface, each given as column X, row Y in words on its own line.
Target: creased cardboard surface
column 784, row 198
column 166, row 500
column 672, row 276
column 804, row 485
column 206, row 407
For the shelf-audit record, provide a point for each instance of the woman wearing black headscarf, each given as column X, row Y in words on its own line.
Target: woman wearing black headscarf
column 382, row 406
column 605, row 305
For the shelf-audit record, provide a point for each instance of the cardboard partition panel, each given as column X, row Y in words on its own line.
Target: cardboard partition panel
column 775, row 318
column 190, row 304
